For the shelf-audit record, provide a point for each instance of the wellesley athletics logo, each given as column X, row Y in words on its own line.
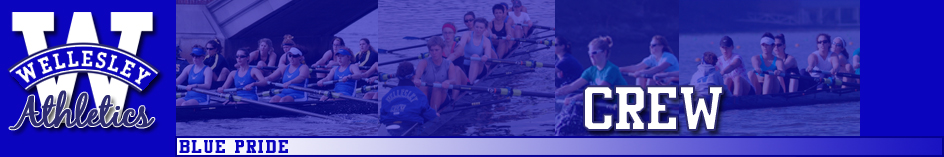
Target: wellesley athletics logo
column 52, row 71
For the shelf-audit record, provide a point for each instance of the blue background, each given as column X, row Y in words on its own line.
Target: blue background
column 156, row 48
column 900, row 99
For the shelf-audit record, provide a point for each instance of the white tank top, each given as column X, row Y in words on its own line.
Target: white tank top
column 727, row 62
column 822, row 64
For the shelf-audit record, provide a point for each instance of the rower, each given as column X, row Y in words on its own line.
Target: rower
column 766, row 61
column 405, row 107
column 731, row 66
column 707, row 75
column 201, row 79
column 601, row 73
column 786, row 64
column 820, row 60
column 346, row 74
column 568, row 68
column 435, row 69
column 293, row 74
column 368, row 56
column 855, row 61
column 181, row 62
column 476, row 45
column 449, row 51
column 502, row 26
column 287, row 44
column 328, row 58
column 841, row 61
column 522, row 19
column 265, row 55
column 660, row 60
column 217, row 62
column 245, row 78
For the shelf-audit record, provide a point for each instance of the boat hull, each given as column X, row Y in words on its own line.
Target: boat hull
column 789, row 99
column 218, row 111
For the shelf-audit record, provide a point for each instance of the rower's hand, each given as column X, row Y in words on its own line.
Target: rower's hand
column 637, row 74
column 323, row 98
column 567, row 101
column 777, row 72
column 345, row 78
column 219, row 90
column 445, row 84
column 285, row 85
column 320, row 83
column 416, row 82
column 372, row 79
column 248, row 87
column 190, row 87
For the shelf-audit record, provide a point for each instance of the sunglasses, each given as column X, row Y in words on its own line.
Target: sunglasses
column 654, row 45
column 196, row 56
column 822, row 42
column 838, row 44
column 211, row 48
column 596, row 52
column 468, row 20
column 241, row 56
column 778, row 45
column 295, row 56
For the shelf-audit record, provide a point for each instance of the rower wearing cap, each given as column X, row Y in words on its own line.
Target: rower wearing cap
column 293, row 74
column 328, row 59
column 435, row 69
column 660, row 60
column 765, row 62
column 245, row 78
column 731, row 66
column 521, row 18
column 405, row 107
column 201, row 79
column 345, row 73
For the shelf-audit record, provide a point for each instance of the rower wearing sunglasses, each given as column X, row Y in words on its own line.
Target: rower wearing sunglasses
column 217, row 62
column 765, row 62
column 786, row 64
column 197, row 76
column 821, row 59
column 660, row 60
column 293, row 74
column 245, row 78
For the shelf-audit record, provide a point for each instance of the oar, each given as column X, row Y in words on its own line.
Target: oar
column 427, row 37
column 528, row 63
column 831, row 81
column 457, row 38
column 849, row 75
column 495, row 75
column 423, row 55
column 500, row 91
column 232, row 97
column 476, row 105
column 322, row 66
column 332, row 94
column 366, row 89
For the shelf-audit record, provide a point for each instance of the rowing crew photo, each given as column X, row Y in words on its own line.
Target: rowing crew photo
column 256, row 75
column 483, row 70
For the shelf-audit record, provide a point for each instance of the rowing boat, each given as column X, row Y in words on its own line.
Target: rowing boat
column 230, row 111
column 790, row 99
column 469, row 101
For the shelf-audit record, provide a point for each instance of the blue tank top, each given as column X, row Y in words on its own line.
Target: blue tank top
column 242, row 81
column 471, row 48
column 196, row 78
column 286, row 76
column 771, row 67
column 346, row 87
